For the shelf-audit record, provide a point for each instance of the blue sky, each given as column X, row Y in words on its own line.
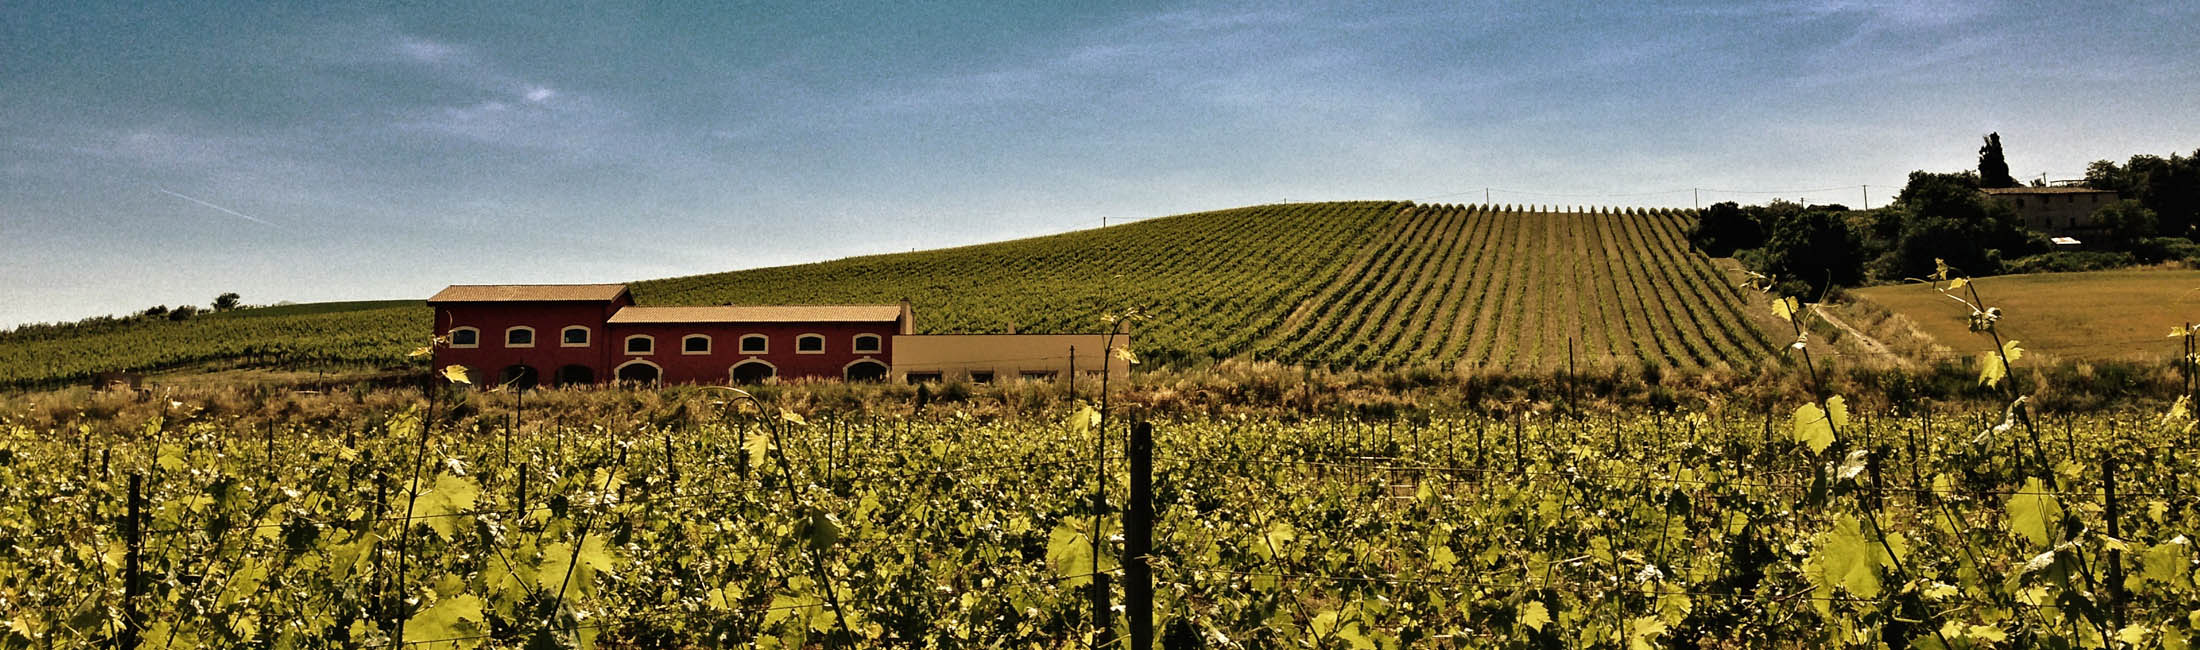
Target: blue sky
column 163, row 154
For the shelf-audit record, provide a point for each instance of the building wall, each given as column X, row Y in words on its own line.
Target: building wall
column 1007, row 356
column 2058, row 212
column 715, row 367
column 546, row 356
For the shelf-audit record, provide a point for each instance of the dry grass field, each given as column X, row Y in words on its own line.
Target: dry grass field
column 2097, row 315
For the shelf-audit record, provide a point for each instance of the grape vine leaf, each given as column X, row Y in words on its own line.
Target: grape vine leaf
column 2032, row 511
column 1993, row 367
column 446, row 622
column 1849, row 560
column 439, row 508
column 1814, row 426
column 1785, row 307
column 759, row 447
column 1534, row 615
column 456, row 374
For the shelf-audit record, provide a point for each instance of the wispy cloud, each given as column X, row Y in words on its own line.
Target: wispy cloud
column 224, row 210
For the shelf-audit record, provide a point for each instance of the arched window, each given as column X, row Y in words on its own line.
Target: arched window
column 465, row 337
column 752, row 371
column 574, row 336
column 639, row 372
column 864, row 370
column 520, row 336
column 809, row 344
column 755, row 344
column 695, row 344
column 867, row 343
column 641, row 344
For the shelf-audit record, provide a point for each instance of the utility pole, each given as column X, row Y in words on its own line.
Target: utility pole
column 1699, row 197
column 1867, row 197
column 1485, row 196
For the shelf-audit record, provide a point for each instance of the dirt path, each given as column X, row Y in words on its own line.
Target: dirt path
column 1865, row 344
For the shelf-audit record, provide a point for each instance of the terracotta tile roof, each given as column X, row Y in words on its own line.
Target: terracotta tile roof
column 760, row 314
column 529, row 293
column 2044, row 190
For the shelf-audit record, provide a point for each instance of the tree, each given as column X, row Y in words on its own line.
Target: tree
column 2124, row 224
column 1810, row 248
column 1944, row 216
column 225, row 302
column 1724, row 228
column 1993, row 171
column 2168, row 186
column 183, row 313
column 156, row 311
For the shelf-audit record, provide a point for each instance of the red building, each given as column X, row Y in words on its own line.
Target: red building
column 585, row 334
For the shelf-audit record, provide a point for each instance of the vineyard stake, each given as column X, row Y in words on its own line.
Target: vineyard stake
column 1138, row 538
column 132, row 587
column 2115, row 557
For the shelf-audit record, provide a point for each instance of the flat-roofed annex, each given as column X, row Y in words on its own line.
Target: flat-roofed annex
column 528, row 293
column 760, row 314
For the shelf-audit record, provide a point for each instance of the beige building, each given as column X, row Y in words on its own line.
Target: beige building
column 987, row 358
column 2055, row 210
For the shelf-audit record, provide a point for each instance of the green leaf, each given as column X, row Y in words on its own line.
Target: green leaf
column 456, row 374
column 759, row 446
column 447, row 620
column 1812, row 427
column 1993, row 367
column 2167, row 563
column 2032, row 511
column 441, row 506
column 1785, row 307
column 1848, row 557
column 1534, row 615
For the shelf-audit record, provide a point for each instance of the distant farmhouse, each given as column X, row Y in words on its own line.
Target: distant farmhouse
column 2063, row 211
column 578, row 334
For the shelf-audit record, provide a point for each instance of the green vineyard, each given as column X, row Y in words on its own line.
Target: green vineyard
column 403, row 525
column 1345, row 285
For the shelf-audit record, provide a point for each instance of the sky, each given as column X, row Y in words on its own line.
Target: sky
column 163, row 153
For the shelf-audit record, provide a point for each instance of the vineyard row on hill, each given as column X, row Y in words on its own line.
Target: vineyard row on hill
column 1350, row 285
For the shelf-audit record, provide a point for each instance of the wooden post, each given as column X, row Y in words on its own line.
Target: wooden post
column 132, row 583
column 521, row 486
column 1138, row 539
column 2115, row 557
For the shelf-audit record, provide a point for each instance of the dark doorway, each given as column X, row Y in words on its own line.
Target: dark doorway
column 753, row 372
column 866, row 371
column 576, row 375
column 518, row 377
column 639, row 373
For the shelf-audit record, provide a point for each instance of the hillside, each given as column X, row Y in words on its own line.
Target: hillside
column 1361, row 284
column 2095, row 315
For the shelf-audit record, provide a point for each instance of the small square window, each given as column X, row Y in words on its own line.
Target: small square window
column 465, row 338
column 695, row 345
column 1045, row 375
column 867, row 343
column 640, row 345
column 754, row 344
column 575, row 336
column 811, row 343
column 519, row 337
column 924, row 377
column 981, row 376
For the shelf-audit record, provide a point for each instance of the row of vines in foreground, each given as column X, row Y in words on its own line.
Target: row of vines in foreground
column 1680, row 531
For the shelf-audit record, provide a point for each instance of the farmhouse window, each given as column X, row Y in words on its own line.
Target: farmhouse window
column 465, row 337
column 924, row 377
column 755, row 344
column 573, row 337
column 519, row 337
column 695, row 344
column 640, row 344
column 809, row 344
column 981, row 376
column 1047, row 375
column 867, row 342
